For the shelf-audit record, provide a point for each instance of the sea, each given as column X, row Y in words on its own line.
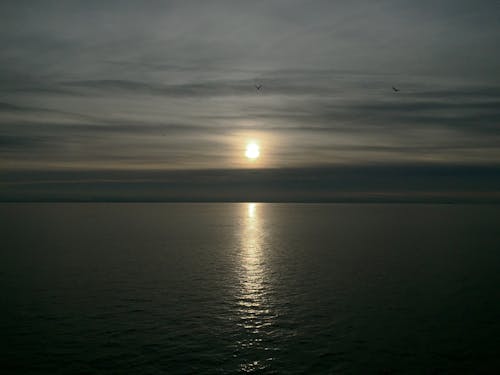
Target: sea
column 264, row 288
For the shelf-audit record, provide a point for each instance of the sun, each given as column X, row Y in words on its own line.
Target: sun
column 252, row 152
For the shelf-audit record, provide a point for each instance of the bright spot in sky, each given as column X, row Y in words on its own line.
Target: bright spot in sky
column 252, row 151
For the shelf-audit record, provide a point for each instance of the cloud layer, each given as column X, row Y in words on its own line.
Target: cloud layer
column 388, row 183
column 121, row 85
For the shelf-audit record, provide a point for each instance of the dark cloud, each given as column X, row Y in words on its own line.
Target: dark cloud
column 207, row 89
column 24, row 143
column 410, row 183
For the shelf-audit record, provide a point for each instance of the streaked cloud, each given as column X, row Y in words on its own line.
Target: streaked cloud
column 389, row 183
column 170, row 85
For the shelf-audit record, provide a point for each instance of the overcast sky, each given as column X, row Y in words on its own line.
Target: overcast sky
column 169, row 85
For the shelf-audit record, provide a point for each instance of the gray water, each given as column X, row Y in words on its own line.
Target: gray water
column 264, row 288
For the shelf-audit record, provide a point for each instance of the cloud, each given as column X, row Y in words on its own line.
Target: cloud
column 171, row 84
column 346, row 122
column 13, row 142
column 383, row 183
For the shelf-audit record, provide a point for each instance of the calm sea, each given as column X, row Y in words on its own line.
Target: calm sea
column 249, row 287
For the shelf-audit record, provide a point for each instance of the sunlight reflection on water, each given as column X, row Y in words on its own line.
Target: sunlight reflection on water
column 259, row 288
column 254, row 305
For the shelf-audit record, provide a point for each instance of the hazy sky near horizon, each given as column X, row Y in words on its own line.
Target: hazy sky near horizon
column 169, row 85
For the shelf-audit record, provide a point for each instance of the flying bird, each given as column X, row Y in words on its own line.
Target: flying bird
column 395, row 89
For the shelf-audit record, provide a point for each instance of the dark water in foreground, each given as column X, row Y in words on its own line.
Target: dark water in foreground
column 265, row 288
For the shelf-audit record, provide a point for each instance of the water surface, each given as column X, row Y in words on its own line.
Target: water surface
column 250, row 287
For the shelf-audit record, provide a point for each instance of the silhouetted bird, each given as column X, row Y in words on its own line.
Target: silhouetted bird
column 395, row 89
column 258, row 87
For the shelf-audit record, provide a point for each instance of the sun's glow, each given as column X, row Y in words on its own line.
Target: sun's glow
column 252, row 151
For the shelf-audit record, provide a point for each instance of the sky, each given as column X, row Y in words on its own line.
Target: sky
column 156, row 100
